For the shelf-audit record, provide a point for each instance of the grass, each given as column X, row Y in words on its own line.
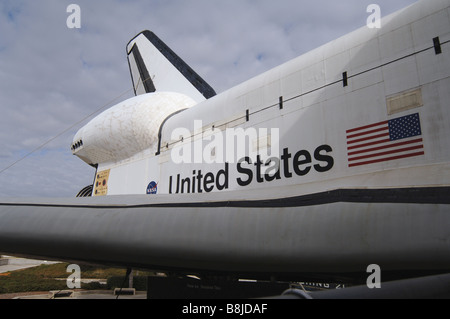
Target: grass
column 43, row 278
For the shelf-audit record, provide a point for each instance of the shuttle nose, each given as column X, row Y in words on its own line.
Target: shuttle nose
column 128, row 128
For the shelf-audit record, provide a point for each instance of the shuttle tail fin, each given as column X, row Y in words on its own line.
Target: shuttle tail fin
column 155, row 67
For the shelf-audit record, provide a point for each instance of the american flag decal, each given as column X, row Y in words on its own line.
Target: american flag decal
column 385, row 141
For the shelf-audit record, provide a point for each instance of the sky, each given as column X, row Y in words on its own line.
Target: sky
column 54, row 79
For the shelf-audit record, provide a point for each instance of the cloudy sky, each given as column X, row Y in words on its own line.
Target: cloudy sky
column 52, row 78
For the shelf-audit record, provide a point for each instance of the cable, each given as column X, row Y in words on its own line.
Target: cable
column 71, row 127
column 124, row 281
column 263, row 109
column 63, row 132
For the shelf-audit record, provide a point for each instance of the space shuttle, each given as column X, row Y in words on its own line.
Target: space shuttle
column 318, row 168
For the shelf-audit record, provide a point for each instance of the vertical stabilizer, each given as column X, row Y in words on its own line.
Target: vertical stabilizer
column 155, row 67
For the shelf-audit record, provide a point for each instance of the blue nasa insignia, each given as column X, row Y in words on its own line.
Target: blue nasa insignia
column 152, row 188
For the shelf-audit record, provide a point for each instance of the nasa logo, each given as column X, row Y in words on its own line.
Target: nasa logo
column 152, row 188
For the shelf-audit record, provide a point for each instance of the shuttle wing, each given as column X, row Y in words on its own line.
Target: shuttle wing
column 295, row 237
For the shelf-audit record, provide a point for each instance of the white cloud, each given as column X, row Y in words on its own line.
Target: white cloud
column 51, row 77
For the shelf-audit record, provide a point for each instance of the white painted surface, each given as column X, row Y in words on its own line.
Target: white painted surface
column 129, row 128
column 318, row 110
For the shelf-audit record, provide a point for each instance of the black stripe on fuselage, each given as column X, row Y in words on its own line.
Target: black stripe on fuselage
column 419, row 195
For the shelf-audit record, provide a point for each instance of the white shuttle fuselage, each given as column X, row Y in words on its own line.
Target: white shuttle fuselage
column 368, row 110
